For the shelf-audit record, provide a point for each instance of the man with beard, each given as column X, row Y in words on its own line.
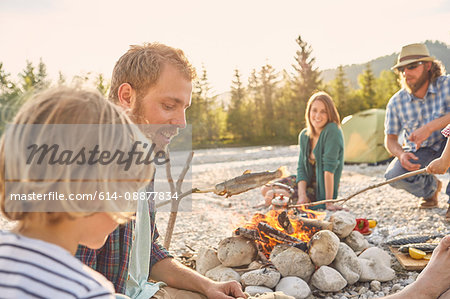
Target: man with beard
column 153, row 83
column 418, row 111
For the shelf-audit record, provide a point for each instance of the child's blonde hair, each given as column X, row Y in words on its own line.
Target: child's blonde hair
column 70, row 107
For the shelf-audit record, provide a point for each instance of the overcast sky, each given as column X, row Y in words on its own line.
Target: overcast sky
column 88, row 35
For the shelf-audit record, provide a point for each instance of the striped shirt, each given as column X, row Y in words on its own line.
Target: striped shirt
column 112, row 260
column 406, row 113
column 31, row 268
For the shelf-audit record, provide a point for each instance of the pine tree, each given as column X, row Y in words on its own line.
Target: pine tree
column 306, row 79
column 41, row 76
column 11, row 98
column 366, row 81
column 196, row 114
column 207, row 118
column 6, row 85
column 102, row 85
column 386, row 86
column 286, row 128
column 268, row 79
column 236, row 107
column 255, row 105
column 340, row 91
column 28, row 77
column 61, row 78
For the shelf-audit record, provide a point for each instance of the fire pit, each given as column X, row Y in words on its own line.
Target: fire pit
column 295, row 252
column 281, row 227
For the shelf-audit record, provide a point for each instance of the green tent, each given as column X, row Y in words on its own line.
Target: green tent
column 364, row 137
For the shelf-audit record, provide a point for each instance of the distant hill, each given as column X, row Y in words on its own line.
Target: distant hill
column 437, row 49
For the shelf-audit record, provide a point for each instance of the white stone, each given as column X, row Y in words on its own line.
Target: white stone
column 294, row 262
column 356, row 241
column 236, row 251
column 293, row 286
column 206, row 260
column 254, row 265
column 343, row 223
column 261, row 277
column 255, row 290
column 278, row 249
column 396, row 287
column 346, row 263
column 378, row 255
column 328, row 279
column 323, row 247
column 375, row 285
column 362, row 290
column 373, row 270
column 222, row 273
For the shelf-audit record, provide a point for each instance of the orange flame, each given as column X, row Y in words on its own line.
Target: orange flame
column 271, row 218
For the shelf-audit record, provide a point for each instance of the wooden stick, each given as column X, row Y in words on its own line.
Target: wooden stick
column 175, row 202
column 184, row 194
column 400, row 177
column 183, row 173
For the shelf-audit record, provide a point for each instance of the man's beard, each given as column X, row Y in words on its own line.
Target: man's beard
column 414, row 87
column 154, row 132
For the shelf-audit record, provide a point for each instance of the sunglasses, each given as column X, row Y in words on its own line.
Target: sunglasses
column 411, row 66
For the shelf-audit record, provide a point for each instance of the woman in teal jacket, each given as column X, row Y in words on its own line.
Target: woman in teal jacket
column 321, row 157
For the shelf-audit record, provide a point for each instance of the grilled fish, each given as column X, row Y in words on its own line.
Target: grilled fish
column 412, row 239
column 248, row 181
column 427, row 247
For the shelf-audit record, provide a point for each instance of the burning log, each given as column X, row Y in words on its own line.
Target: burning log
column 285, row 223
column 251, row 234
column 315, row 224
column 276, row 234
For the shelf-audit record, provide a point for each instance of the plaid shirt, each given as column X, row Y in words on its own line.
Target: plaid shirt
column 446, row 131
column 112, row 259
column 407, row 113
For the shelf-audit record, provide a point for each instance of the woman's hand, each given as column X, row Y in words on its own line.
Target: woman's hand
column 302, row 198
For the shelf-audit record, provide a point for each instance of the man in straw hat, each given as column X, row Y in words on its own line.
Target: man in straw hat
column 419, row 111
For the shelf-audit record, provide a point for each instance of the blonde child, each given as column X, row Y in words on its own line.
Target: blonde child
column 36, row 257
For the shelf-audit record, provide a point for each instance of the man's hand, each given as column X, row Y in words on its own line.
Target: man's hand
column 420, row 135
column 224, row 290
column 437, row 166
column 406, row 163
column 176, row 275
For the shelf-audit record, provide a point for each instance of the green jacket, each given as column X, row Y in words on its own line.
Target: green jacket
column 329, row 153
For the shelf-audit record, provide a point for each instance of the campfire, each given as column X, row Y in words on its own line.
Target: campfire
column 296, row 251
column 295, row 227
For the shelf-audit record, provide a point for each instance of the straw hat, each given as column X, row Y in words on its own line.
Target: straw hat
column 413, row 53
